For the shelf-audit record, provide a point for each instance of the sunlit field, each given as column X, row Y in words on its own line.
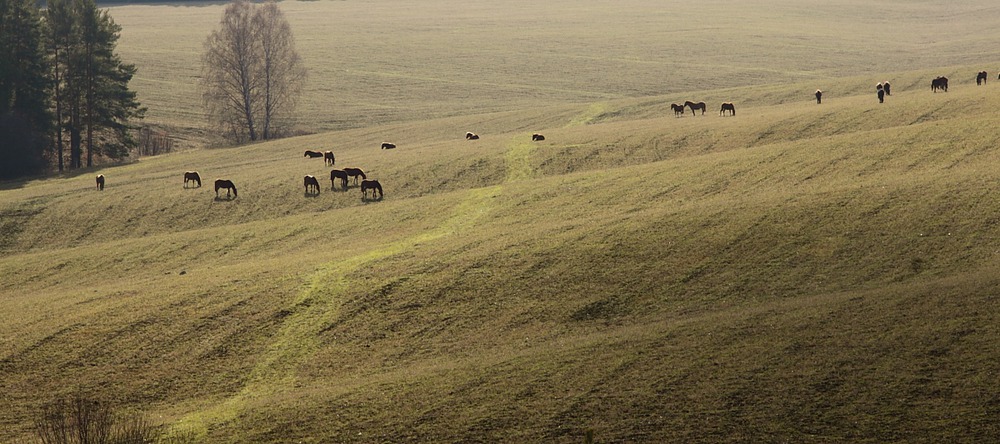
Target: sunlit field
column 794, row 273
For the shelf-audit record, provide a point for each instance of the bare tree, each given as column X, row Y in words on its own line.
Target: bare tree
column 252, row 74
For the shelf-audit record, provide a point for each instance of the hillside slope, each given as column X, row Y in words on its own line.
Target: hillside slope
column 802, row 272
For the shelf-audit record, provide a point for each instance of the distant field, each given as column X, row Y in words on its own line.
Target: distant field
column 796, row 273
column 373, row 62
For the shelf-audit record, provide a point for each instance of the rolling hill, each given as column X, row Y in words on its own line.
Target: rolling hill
column 798, row 272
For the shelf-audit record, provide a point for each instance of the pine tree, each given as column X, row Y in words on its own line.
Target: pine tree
column 24, row 117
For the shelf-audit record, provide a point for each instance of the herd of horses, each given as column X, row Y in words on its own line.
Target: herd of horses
column 695, row 106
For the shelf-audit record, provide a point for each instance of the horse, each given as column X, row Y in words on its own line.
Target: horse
column 727, row 106
column 328, row 158
column 355, row 172
column 371, row 185
column 100, row 182
column 981, row 77
column 338, row 174
column 885, row 86
column 227, row 184
column 471, row 136
column 191, row 176
column 311, row 183
column 819, row 97
column 939, row 83
column 313, row 154
column 678, row 109
column 696, row 106
column 536, row 137
column 388, row 146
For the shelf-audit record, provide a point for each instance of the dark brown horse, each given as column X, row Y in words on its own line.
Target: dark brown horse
column 728, row 106
column 678, row 109
column 338, row 174
column 939, row 83
column 886, row 86
column 819, row 97
column 371, row 185
column 311, row 184
column 388, row 146
column 471, row 136
column 313, row 154
column 981, row 78
column 100, row 182
column 227, row 184
column 355, row 172
column 536, row 137
column 696, row 106
column 191, row 176
column 328, row 158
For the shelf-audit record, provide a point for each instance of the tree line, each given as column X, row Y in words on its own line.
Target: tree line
column 64, row 95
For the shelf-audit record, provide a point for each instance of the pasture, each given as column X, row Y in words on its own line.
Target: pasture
column 794, row 273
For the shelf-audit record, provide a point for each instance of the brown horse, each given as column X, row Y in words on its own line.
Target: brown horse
column 981, row 77
column 227, row 184
column 328, row 158
column 388, row 146
column 696, row 106
column 100, row 182
column 311, row 184
column 191, row 176
column 886, row 86
column 678, row 109
column 371, row 185
column 536, row 137
column 939, row 83
column 728, row 106
column 313, row 154
column 471, row 136
column 338, row 174
column 355, row 172
column 819, row 97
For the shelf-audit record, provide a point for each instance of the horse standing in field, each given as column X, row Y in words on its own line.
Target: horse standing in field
column 981, row 78
column 819, row 97
column 355, row 172
column 100, row 182
column 536, row 137
column 471, row 136
column 696, row 106
column 939, row 83
column 371, row 185
column 678, row 109
column 328, row 158
column 313, row 154
column 227, row 184
column 885, row 86
column 192, row 176
column 338, row 174
column 311, row 184
column 388, row 146
column 728, row 106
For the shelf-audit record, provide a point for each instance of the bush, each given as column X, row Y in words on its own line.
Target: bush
column 86, row 421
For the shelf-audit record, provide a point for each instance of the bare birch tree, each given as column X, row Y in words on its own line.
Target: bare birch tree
column 252, row 74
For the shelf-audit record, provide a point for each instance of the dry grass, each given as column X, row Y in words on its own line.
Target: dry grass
column 797, row 273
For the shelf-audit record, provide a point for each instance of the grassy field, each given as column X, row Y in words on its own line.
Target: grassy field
column 796, row 273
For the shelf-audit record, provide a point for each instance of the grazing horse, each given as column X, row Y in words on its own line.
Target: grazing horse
column 388, row 146
column 190, row 176
column 885, row 86
column 371, row 185
column 338, row 174
column 227, row 184
column 678, row 109
column 819, row 97
column 471, row 136
column 981, row 77
column 728, row 106
column 313, row 154
column 311, row 183
column 355, row 172
column 939, row 83
column 696, row 106
column 536, row 137
column 328, row 158
column 100, row 182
